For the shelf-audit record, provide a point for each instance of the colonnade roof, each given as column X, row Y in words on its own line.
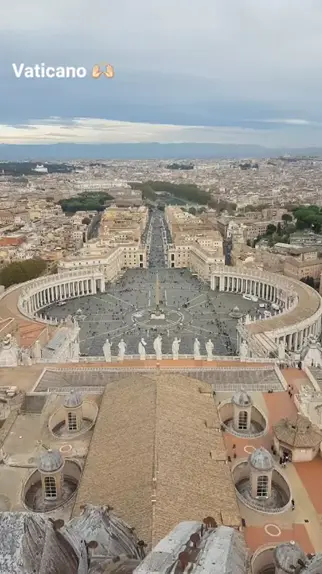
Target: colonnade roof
column 309, row 302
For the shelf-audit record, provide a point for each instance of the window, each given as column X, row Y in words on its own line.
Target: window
column 50, row 487
column 72, row 421
column 242, row 420
column 262, row 486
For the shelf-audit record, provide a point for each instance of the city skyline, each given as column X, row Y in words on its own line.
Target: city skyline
column 213, row 72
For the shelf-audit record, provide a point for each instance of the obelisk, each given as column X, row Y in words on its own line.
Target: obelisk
column 157, row 293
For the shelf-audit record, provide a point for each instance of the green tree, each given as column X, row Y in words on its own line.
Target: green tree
column 270, row 229
column 286, row 217
column 21, row 271
column 192, row 210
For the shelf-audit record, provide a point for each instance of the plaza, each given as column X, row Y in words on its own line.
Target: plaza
column 124, row 311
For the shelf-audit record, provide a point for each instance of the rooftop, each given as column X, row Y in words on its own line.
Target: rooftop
column 157, row 427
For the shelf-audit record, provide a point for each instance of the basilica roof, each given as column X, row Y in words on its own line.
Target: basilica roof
column 150, row 431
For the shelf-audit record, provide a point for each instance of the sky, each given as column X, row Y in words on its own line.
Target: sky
column 186, row 71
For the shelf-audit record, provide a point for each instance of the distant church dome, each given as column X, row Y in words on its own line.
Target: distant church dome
column 241, row 399
column 74, row 399
column 261, row 459
column 50, row 461
column 287, row 555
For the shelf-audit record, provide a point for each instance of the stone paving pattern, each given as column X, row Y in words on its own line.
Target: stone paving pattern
column 111, row 314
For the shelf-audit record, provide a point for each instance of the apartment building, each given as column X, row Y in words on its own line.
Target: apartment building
column 123, row 225
column 195, row 244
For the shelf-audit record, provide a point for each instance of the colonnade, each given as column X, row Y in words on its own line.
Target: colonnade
column 61, row 291
column 294, row 297
column 257, row 287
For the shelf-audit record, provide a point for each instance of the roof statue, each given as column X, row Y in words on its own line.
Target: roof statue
column 311, row 353
column 157, row 346
column 209, row 349
column 9, row 352
column 141, row 349
column 107, row 351
column 122, row 349
column 243, row 350
column 196, row 349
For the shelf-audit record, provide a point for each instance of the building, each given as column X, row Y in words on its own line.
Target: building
column 123, row 225
column 195, row 244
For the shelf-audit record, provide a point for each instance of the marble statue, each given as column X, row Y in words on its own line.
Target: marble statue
column 243, row 350
column 157, row 346
column 142, row 345
column 175, row 348
column 75, row 354
column 107, row 351
column 209, row 349
column 25, row 358
column 281, row 351
column 196, row 349
column 37, row 351
column 247, row 319
column 122, row 349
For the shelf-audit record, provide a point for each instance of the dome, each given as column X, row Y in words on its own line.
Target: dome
column 261, row 459
column 241, row 399
column 74, row 399
column 286, row 556
column 50, row 461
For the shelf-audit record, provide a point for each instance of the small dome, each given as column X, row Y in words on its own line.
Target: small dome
column 50, row 461
column 261, row 459
column 241, row 399
column 286, row 556
column 74, row 399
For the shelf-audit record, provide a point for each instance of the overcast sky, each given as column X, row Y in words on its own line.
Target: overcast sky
column 223, row 71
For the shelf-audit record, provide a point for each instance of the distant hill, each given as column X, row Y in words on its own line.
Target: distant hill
column 41, row 153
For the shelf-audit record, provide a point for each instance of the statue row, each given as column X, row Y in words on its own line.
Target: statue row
column 157, row 346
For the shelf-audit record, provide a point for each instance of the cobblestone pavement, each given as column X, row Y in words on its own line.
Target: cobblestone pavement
column 125, row 307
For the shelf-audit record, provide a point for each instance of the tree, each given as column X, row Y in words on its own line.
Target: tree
column 287, row 217
column 21, row 271
column 270, row 229
column 86, row 221
column 192, row 210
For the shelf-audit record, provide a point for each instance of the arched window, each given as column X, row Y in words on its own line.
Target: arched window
column 72, row 421
column 262, row 486
column 50, row 488
column 242, row 420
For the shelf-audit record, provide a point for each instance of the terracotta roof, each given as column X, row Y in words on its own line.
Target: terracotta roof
column 11, row 241
column 300, row 433
column 157, row 456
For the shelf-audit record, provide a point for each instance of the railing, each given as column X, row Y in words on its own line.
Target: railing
column 259, row 508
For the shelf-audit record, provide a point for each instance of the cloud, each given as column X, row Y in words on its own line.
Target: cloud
column 288, row 122
column 193, row 62
column 99, row 131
